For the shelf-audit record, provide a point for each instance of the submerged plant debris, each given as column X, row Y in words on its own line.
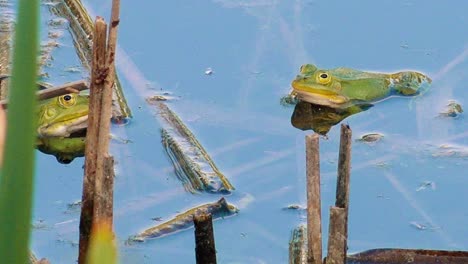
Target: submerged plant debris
column 219, row 209
column 193, row 166
column 371, row 137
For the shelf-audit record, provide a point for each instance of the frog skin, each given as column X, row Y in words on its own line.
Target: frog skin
column 62, row 115
column 343, row 87
column 64, row 149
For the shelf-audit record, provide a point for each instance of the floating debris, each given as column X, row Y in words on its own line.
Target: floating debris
column 209, row 71
column 54, row 34
column 453, row 151
column 298, row 246
column 183, row 221
column 370, row 138
column 452, row 109
column 120, row 139
column 40, row 225
column 413, row 256
column 72, row 69
column 294, row 207
column 156, row 98
column 382, row 164
column 74, row 206
column 58, row 22
column 193, row 166
column 404, row 46
column 34, row 260
column 423, row 226
column 426, row 184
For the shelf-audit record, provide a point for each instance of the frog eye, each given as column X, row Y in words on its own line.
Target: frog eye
column 324, row 78
column 67, row 100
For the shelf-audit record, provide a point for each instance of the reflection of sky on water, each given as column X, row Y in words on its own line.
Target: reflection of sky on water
column 255, row 49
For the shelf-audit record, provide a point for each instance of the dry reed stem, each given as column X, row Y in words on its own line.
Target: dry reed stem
column 314, row 220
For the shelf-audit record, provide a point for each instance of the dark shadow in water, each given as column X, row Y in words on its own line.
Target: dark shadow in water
column 319, row 118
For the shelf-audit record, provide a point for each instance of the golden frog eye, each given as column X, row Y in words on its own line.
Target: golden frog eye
column 324, row 78
column 67, row 100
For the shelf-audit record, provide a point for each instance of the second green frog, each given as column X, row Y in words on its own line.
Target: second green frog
column 343, row 87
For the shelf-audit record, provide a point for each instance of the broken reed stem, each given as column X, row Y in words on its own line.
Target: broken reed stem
column 344, row 166
column 72, row 87
column 205, row 250
column 337, row 236
column 338, row 229
column 103, row 170
column 97, row 202
column 314, row 220
column 98, row 76
column 106, row 110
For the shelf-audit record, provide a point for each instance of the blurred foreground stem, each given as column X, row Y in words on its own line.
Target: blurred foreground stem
column 16, row 179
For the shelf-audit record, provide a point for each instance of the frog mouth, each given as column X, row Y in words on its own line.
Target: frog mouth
column 320, row 95
column 64, row 128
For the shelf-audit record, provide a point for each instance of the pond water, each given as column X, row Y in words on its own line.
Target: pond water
column 407, row 190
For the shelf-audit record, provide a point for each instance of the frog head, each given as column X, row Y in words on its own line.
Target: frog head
column 318, row 86
column 63, row 115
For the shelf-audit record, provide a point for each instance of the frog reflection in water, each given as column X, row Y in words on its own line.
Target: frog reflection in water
column 321, row 118
column 326, row 97
column 62, row 123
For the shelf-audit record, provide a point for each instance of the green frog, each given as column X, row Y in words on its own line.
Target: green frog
column 62, row 123
column 344, row 87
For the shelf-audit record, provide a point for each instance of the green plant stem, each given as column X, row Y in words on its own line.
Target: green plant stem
column 16, row 179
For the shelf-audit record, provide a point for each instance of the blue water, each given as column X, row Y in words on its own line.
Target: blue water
column 255, row 49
